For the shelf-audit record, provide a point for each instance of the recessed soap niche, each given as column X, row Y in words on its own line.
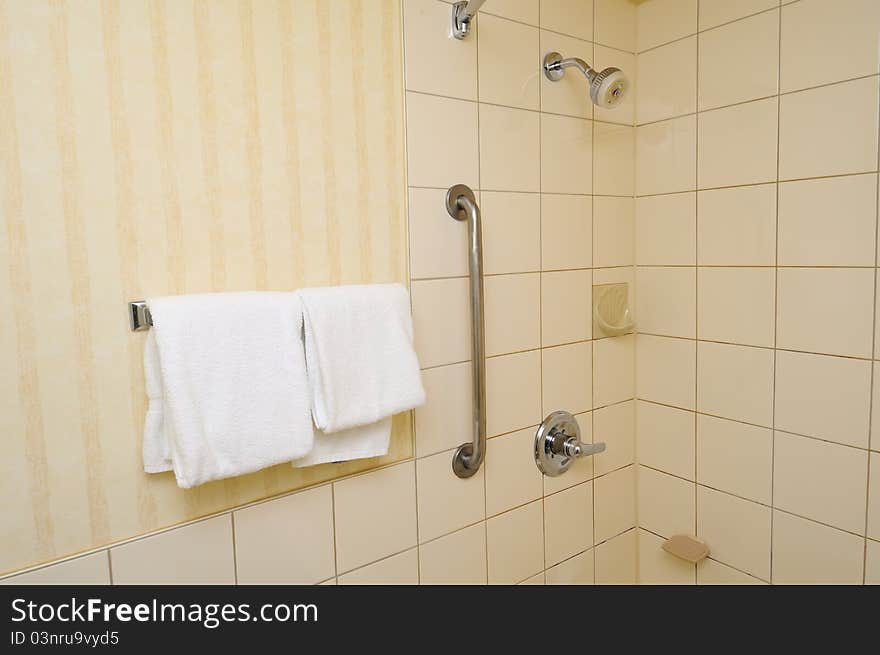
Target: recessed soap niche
column 612, row 315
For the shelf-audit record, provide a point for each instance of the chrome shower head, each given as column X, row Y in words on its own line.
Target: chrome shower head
column 607, row 88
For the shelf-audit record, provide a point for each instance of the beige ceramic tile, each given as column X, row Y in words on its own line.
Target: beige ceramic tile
column 445, row 420
column 614, row 157
column 826, row 310
column 847, row 30
column 665, row 503
column 666, row 154
column 737, row 227
column 509, row 149
column 736, row 305
column 567, row 378
column 752, row 74
column 616, row 426
column 617, row 560
column 513, row 392
column 581, row 470
column 435, row 63
column 511, row 227
column 809, row 553
column 825, row 397
column 808, row 238
column 402, row 569
column 625, row 111
column 577, row 570
column 198, row 553
column 568, row 523
column 872, row 562
column 508, row 51
column 615, row 24
column 735, row 457
column 718, row 12
column 666, row 370
column 667, row 300
column 662, row 21
column 565, row 307
column 666, row 230
column 512, row 479
column 512, row 318
column 666, row 438
column 662, row 95
column 566, row 154
column 574, row 17
column 735, row 382
column 874, row 498
column 438, row 245
column 515, row 545
column 614, row 227
column 566, row 232
column 737, row 531
column 271, row 546
column 840, row 499
column 614, row 503
column 657, row 567
column 525, row 11
column 364, row 535
column 446, row 502
column 808, row 148
column 458, row 558
column 441, row 321
column 93, row 569
column 613, row 370
column 569, row 95
column 433, row 159
column 710, row 572
column 738, row 144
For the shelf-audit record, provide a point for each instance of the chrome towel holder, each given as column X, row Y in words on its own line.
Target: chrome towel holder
column 462, row 206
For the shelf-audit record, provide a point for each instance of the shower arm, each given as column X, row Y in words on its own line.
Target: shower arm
column 462, row 13
column 555, row 69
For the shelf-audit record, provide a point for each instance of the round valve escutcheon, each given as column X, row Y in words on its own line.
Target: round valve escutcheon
column 558, row 444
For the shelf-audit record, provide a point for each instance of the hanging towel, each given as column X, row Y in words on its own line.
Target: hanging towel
column 362, row 367
column 227, row 385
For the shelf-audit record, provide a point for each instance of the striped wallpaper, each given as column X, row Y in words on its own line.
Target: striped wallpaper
column 152, row 147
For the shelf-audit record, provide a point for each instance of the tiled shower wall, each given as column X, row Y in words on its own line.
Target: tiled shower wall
column 756, row 224
column 555, row 184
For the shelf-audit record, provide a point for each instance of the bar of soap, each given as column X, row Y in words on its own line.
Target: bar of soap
column 686, row 547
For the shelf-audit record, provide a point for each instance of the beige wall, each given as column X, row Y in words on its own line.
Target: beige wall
column 151, row 148
column 556, row 193
column 756, row 229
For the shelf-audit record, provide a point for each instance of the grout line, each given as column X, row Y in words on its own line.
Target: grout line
column 110, row 566
column 333, row 522
column 234, row 552
column 873, row 366
column 753, row 184
column 857, row 358
column 522, row 192
column 775, row 290
column 696, row 282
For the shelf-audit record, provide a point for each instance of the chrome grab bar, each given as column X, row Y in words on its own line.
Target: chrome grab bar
column 462, row 205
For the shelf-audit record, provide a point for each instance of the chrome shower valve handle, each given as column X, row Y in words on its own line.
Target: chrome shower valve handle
column 558, row 443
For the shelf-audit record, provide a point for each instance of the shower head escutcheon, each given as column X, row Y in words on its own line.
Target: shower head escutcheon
column 607, row 88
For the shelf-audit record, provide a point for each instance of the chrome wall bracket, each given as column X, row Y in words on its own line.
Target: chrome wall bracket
column 558, row 443
column 139, row 317
column 462, row 15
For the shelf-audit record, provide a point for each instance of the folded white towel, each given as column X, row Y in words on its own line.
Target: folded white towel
column 362, row 367
column 227, row 385
column 359, row 352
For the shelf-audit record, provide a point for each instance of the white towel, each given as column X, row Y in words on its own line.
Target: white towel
column 362, row 367
column 227, row 385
